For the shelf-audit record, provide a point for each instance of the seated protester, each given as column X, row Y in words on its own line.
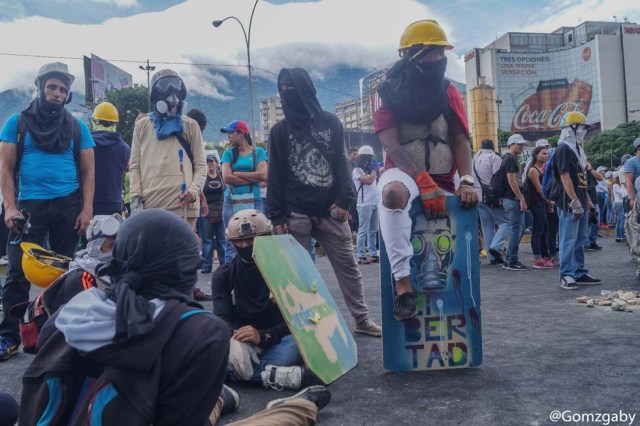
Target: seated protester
column 134, row 353
column 8, row 409
column 101, row 236
column 262, row 349
column 80, row 276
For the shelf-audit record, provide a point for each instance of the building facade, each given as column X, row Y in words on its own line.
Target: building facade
column 352, row 115
column 270, row 114
column 537, row 77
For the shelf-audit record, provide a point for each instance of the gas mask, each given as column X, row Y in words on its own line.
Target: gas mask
column 432, row 253
column 169, row 106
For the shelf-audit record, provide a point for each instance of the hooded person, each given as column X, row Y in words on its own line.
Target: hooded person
column 133, row 353
column 570, row 168
column 112, row 159
column 423, row 128
column 310, row 189
column 47, row 169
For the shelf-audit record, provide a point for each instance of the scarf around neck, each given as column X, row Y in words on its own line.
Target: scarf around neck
column 568, row 137
column 166, row 127
column 50, row 125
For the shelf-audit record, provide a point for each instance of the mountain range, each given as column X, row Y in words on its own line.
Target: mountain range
column 340, row 85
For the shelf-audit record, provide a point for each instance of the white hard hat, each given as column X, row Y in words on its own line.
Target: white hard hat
column 365, row 150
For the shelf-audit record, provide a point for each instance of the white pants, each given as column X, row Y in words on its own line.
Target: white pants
column 395, row 224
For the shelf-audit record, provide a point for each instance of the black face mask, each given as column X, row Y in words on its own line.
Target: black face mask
column 415, row 92
column 245, row 253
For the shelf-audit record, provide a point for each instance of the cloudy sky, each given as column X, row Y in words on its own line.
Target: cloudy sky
column 316, row 35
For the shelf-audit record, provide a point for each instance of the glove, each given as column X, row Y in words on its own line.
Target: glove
column 433, row 199
column 241, row 356
column 593, row 217
column 136, row 205
column 576, row 209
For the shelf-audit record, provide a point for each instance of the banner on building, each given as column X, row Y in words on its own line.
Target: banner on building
column 102, row 77
column 537, row 89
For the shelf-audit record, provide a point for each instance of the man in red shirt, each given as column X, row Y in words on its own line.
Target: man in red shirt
column 423, row 130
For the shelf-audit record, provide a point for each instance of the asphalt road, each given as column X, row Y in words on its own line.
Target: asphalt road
column 542, row 352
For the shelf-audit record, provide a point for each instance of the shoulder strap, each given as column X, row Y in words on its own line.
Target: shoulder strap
column 187, row 148
column 20, row 138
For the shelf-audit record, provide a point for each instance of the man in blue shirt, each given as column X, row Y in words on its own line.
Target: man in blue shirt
column 55, row 184
column 631, row 169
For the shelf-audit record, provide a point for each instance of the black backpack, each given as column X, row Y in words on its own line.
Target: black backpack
column 497, row 186
column 488, row 197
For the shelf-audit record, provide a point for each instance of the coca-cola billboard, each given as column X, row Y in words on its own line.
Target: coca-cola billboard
column 536, row 90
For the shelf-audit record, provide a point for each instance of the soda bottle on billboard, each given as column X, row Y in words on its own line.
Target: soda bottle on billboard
column 537, row 113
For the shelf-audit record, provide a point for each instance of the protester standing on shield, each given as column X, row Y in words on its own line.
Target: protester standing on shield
column 310, row 189
column 423, row 128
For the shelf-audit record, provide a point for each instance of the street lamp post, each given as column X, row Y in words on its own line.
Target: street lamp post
column 148, row 69
column 247, row 40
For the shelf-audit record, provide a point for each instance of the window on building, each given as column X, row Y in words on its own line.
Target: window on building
column 537, row 42
column 518, row 39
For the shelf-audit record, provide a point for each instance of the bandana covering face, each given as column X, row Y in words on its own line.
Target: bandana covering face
column 50, row 125
column 300, row 105
column 415, row 92
column 568, row 137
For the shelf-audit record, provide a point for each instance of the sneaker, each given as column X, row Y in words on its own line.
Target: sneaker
column 7, row 349
column 363, row 261
column 587, row 279
column 497, row 256
column 374, row 259
column 542, row 263
column 3, row 261
column 369, row 327
column 515, row 266
column 280, row 378
column 318, row 394
column 216, row 260
column 230, row 400
column 603, row 226
column 568, row 283
column 554, row 260
column 405, row 306
column 200, row 296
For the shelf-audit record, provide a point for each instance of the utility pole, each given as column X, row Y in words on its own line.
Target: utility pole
column 148, row 70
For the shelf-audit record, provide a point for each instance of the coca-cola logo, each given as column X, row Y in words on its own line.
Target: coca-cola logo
column 527, row 118
column 469, row 56
column 632, row 30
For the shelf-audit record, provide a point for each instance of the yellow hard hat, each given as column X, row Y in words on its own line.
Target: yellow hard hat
column 105, row 111
column 573, row 117
column 42, row 267
column 427, row 32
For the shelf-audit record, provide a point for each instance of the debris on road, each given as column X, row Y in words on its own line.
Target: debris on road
column 618, row 300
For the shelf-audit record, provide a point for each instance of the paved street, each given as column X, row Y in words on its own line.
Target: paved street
column 542, row 352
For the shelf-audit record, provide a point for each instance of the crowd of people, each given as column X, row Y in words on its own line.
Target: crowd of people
column 568, row 201
column 121, row 334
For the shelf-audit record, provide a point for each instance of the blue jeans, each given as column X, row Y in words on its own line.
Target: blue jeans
column 210, row 234
column 367, row 231
column 609, row 206
column 573, row 237
column 490, row 217
column 227, row 212
column 602, row 205
column 593, row 229
column 539, row 213
column 552, row 232
column 617, row 207
column 284, row 354
column 516, row 219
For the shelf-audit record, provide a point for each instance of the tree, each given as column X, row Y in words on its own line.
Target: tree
column 130, row 102
column 606, row 148
column 503, row 137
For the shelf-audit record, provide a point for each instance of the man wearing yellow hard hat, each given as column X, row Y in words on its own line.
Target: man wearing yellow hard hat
column 112, row 158
column 570, row 168
column 423, row 128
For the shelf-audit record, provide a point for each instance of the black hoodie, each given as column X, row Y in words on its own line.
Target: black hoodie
column 308, row 170
column 111, row 158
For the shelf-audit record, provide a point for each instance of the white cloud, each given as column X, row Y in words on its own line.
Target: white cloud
column 314, row 35
column 118, row 3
